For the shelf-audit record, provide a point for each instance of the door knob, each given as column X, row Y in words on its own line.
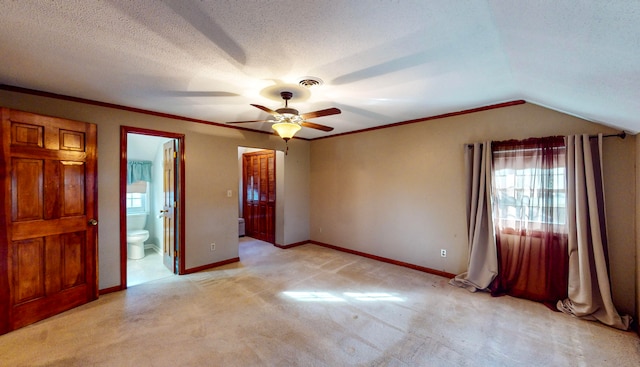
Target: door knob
column 164, row 211
column 93, row 222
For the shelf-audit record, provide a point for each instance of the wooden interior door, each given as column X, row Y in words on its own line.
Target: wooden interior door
column 48, row 245
column 169, row 206
column 259, row 195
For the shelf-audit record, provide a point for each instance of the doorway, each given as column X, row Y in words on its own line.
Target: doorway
column 261, row 194
column 151, row 205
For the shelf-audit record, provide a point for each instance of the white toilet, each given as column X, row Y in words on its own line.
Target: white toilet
column 136, row 235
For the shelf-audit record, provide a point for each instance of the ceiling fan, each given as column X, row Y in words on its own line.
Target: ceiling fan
column 288, row 121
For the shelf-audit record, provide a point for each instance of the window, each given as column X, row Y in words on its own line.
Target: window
column 136, row 203
column 529, row 187
column 137, row 197
column 524, row 199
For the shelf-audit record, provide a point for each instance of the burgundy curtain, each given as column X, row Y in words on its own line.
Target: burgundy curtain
column 530, row 225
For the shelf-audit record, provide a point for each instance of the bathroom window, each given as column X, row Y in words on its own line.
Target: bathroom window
column 137, row 197
column 136, row 203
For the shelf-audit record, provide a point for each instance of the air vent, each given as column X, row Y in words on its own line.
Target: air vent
column 309, row 82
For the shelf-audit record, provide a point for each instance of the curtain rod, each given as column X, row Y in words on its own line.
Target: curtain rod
column 620, row 135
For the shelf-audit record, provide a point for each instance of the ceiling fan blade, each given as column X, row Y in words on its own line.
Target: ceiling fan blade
column 327, row 112
column 242, row 122
column 316, row 126
column 265, row 109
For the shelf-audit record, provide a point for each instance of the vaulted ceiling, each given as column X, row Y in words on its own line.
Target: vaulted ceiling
column 379, row 61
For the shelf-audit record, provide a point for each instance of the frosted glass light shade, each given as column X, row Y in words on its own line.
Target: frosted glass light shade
column 286, row 130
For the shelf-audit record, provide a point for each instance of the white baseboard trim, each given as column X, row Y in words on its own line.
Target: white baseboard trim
column 152, row 246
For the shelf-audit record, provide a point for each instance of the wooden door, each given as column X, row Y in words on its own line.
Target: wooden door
column 259, row 195
column 168, row 209
column 48, row 245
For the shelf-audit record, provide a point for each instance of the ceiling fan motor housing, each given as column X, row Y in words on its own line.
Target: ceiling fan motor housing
column 288, row 110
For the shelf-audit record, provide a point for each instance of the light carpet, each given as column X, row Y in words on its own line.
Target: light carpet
column 312, row 306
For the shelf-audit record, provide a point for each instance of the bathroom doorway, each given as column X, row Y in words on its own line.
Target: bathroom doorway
column 151, row 215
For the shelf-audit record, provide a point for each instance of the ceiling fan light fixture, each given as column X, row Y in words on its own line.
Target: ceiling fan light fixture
column 286, row 130
column 289, row 117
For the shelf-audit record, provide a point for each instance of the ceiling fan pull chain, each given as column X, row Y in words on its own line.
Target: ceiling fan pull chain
column 286, row 144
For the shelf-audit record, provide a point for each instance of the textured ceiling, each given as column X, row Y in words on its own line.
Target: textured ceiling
column 381, row 61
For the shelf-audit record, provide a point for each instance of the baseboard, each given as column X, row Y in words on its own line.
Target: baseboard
column 152, row 246
column 116, row 288
column 212, row 265
column 290, row 245
column 386, row 260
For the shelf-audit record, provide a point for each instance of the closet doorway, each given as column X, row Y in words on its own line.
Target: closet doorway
column 151, row 205
column 261, row 194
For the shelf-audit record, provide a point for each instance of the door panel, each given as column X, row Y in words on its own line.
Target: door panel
column 73, row 189
column 25, row 134
column 259, row 180
column 27, row 189
column 48, row 251
column 71, row 140
column 168, row 209
column 28, row 260
column 73, row 252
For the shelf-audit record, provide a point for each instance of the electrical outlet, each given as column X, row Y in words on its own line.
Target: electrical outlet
column 213, row 246
column 443, row 253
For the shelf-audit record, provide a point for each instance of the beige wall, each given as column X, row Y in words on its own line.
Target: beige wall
column 620, row 193
column 399, row 193
column 211, row 169
column 395, row 193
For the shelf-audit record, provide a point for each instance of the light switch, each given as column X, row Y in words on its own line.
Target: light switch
column 229, row 193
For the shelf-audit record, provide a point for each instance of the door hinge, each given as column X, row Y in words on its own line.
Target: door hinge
column 175, row 154
column 175, row 204
column 175, row 253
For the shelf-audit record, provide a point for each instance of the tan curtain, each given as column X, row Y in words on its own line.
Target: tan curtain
column 589, row 293
column 139, row 187
column 483, row 265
